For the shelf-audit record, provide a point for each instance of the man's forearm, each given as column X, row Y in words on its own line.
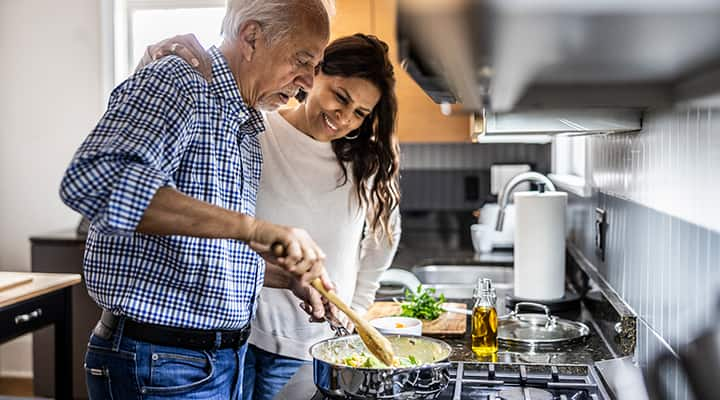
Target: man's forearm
column 173, row 213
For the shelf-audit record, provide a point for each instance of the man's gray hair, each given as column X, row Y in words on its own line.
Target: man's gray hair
column 276, row 17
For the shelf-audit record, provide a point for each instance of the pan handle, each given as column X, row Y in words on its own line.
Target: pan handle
column 337, row 327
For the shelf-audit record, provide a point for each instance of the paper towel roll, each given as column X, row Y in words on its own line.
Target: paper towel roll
column 539, row 251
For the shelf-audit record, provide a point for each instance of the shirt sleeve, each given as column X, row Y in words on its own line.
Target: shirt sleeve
column 132, row 152
column 376, row 255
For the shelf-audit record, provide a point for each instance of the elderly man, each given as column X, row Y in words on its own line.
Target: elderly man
column 168, row 178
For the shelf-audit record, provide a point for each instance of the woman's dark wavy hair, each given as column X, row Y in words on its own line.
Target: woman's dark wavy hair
column 374, row 155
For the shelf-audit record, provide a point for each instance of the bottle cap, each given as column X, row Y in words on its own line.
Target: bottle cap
column 486, row 284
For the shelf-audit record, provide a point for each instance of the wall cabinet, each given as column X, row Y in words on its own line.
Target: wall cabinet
column 419, row 118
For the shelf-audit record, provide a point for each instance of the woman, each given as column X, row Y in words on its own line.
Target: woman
column 330, row 166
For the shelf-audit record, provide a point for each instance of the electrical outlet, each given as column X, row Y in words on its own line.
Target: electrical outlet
column 600, row 230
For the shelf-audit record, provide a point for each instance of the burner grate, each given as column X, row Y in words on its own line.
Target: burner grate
column 498, row 381
column 505, row 381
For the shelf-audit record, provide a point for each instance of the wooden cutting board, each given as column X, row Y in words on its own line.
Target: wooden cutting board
column 446, row 324
column 11, row 279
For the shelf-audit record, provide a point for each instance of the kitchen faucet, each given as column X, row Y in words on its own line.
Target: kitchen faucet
column 506, row 192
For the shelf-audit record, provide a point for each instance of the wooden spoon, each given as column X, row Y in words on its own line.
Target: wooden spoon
column 378, row 344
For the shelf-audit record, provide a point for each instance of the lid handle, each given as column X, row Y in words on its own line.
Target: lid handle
column 551, row 320
column 532, row 305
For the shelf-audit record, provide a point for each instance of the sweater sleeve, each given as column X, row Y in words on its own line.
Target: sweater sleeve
column 376, row 255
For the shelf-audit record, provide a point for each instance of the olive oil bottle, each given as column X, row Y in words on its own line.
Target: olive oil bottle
column 484, row 319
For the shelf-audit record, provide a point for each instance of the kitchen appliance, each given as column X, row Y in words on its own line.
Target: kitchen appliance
column 492, row 381
column 424, row 381
column 503, row 239
column 563, row 54
column 500, row 174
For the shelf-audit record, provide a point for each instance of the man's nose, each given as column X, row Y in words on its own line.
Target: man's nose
column 305, row 80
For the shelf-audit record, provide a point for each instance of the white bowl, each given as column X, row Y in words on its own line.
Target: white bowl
column 398, row 325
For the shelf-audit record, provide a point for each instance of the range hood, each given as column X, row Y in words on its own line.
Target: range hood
column 506, row 56
column 549, row 122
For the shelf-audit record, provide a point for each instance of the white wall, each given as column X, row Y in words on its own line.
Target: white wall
column 50, row 97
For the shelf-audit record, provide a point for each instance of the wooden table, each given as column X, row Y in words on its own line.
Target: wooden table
column 45, row 300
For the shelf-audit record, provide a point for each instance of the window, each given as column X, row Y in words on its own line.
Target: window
column 570, row 166
column 139, row 23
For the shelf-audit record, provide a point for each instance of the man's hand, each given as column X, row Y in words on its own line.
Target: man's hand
column 301, row 253
column 186, row 47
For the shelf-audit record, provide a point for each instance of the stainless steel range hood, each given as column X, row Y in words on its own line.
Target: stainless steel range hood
column 509, row 55
column 578, row 121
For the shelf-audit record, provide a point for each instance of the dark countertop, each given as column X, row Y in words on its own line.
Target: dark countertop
column 587, row 352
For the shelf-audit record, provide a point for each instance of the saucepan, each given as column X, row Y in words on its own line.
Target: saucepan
column 423, row 381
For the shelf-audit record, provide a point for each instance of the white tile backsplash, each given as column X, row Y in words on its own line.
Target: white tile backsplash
column 661, row 190
column 672, row 165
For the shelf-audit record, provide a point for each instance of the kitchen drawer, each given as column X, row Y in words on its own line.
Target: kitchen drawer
column 27, row 316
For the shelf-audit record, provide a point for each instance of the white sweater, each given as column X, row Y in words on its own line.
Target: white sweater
column 299, row 187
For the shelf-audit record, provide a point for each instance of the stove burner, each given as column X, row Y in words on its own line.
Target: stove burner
column 528, row 393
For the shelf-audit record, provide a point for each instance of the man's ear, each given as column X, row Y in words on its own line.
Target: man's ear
column 249, row 37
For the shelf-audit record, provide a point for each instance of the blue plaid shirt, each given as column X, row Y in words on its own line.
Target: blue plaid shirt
column 167, row 126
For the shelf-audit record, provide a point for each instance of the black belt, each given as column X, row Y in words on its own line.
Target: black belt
column 169, row 336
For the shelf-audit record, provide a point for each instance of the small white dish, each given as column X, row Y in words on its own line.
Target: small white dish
column 398, row 325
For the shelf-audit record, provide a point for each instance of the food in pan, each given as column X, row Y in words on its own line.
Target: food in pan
column 410, row 352
column 365, row 360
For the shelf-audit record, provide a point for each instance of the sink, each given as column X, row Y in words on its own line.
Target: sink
column 458, row 281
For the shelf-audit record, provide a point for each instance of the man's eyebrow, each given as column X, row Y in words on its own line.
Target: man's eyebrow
column 347, row 94
column 305, row 53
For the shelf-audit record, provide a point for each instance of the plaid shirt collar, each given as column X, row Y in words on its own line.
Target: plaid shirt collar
column 224, row 85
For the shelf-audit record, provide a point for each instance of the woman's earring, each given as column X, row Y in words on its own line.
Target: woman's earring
column 348, row 137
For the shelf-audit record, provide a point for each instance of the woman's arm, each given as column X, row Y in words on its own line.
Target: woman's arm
column 376, row 255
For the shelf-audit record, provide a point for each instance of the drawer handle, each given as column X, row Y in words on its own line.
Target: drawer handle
column 22, row 318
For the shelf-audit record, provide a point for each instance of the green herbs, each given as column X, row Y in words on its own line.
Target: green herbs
column 422, row 304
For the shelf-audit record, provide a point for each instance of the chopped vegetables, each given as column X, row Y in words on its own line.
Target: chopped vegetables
column 364, row 360
column 422, row 304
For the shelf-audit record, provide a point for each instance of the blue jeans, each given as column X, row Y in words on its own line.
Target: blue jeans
column 266, row 373
column 124, row 368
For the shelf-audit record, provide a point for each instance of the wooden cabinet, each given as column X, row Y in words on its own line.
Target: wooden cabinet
column 62, row 252
column 352, row 16
column 419, row 118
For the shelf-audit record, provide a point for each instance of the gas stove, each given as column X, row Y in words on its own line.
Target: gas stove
column 505, row 381
column 489, row 381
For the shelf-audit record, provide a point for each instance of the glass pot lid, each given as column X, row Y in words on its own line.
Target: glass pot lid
column 528, row 329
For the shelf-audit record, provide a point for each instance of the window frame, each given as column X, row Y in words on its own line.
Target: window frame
column 563, row 174
column 118, row 33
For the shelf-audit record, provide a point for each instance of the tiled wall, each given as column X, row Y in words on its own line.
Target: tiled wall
column 660, row 190
column 434, row 175
column 454, row 156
